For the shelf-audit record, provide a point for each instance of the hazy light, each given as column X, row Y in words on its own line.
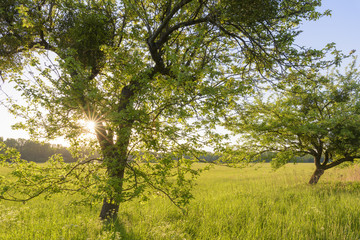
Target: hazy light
column 88, row 125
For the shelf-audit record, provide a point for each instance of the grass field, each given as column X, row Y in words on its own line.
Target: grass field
column 250, row 203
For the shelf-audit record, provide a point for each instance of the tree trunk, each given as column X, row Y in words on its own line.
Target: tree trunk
column 115, row 154
column 116, row 171
column 316, row 176
column 109, row 210
column 115, row 158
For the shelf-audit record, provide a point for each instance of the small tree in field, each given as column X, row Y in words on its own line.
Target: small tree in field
column 316, row 115
column 151, row 74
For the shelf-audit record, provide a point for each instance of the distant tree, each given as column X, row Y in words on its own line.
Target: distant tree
column 140, row 70
column 64, row 152
column 317, row 115
column 36, row 151
column 13, row 143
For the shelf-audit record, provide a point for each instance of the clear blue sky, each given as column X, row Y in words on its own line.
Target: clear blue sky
column 342, row 28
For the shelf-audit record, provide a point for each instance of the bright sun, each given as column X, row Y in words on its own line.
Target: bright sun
column 88, row 125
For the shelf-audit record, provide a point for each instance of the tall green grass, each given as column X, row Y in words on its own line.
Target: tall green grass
column 249, row 203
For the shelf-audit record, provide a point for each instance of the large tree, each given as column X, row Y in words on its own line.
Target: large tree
column 154, row 75
column 315, row 114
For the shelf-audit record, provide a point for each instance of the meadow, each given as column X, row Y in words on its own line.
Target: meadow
column 229, row 203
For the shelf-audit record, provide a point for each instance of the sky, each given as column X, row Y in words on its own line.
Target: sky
column 341, row 28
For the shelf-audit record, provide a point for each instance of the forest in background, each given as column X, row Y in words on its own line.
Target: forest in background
column 40, row 152
column 36, row 151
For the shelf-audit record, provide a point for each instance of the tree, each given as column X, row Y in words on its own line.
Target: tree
column 154, row 75
column 35, row 151
column 315, row 115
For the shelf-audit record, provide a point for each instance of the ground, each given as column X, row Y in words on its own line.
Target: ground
column 250, row 203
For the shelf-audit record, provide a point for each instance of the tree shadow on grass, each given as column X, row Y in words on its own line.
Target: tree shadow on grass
column 116, row 230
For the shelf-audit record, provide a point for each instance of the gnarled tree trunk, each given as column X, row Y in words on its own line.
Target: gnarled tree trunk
column 316, row 176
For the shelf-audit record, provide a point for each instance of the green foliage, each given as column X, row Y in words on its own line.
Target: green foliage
column 155, row 76
column 315, row 115
column 8, row 153
column 85, row 29
column 33, row 180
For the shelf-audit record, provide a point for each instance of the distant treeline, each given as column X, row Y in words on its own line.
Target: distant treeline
column 37, row 152
column 266, row 157
column 40, row 152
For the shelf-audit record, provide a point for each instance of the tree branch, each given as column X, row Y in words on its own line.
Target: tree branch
column 337, row 162
column 167, row 19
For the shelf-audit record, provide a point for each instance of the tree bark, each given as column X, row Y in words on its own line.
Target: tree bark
column 116, row 171
column 115, row 154
column 316, row 176
column 115, row 159
column 109, row 210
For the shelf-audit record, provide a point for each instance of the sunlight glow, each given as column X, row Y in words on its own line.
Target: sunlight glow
column 88, row 126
